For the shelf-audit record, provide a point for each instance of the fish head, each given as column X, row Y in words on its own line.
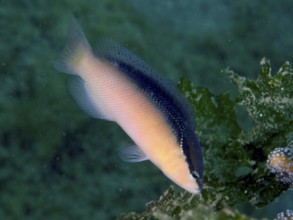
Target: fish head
column 193, row 155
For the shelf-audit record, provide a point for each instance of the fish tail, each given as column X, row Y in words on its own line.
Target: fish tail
column 75, row 51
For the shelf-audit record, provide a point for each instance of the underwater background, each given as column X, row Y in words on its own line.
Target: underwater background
column 57, row 162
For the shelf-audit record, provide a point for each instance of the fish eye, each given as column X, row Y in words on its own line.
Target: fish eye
column 195, row 174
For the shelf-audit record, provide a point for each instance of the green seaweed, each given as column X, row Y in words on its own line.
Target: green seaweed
column 235, row 158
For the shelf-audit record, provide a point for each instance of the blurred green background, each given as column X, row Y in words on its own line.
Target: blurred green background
column 57, row 162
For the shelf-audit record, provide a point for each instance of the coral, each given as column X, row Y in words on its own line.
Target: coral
column 280, row 162
column 288, row 215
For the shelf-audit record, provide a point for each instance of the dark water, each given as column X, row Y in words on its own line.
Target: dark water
column 58, row 163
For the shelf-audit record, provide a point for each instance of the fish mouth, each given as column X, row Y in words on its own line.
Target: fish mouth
column 194, row 190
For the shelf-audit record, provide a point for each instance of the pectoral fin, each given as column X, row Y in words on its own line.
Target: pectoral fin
column 132, row 154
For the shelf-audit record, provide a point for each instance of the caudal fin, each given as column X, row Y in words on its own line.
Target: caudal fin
column 75, row 50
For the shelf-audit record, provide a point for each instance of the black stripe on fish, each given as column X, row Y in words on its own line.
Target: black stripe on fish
column 177, row 117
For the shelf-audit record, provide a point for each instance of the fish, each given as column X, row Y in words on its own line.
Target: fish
column 114, row 84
